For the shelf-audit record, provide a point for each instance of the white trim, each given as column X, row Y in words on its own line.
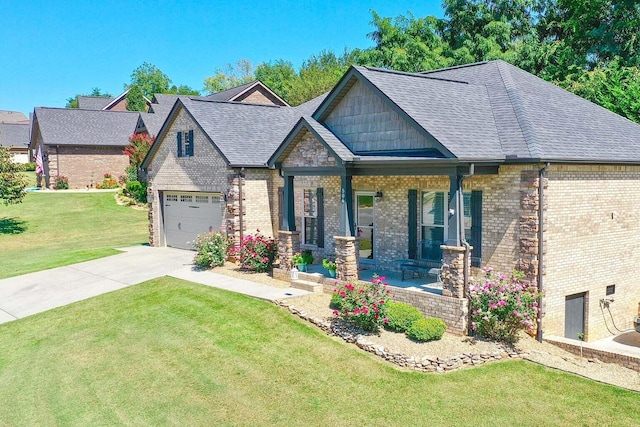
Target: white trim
column 373, row 228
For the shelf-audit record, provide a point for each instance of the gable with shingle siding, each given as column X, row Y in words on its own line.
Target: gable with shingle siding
column 365, row 122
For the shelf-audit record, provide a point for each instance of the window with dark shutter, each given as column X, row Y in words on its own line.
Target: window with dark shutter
column 179, row 138
column 190, row 147
column 320, row 217
column 413, row 223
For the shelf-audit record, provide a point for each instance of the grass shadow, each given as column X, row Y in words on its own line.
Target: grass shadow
column 12, row 226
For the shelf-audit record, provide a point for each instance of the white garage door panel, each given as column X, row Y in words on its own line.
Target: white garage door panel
column 186, row 215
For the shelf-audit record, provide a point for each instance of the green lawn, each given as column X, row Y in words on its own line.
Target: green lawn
column 168, row 352
column 53, row 229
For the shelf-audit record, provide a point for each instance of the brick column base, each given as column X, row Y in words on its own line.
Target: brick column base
column 346, row 258
column 288, row 244
column 453, row 271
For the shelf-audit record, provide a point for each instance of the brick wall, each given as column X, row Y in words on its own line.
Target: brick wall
column 453, row 311
column 593, row 224
column 85, row 166
column 207, row 171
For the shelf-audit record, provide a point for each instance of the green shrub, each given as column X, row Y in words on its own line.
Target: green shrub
column 212, row 249
column 426, row 329
column 61, row 182
column 108, row 182
column 136, row 190
column 401, row 316
column 336, row 301
column 29, row 167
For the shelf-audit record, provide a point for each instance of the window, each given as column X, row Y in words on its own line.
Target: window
column 185, row 143
column 172, row 198
column 185, row 198
column 434, row 223
column 310, row 218
column 202, row 199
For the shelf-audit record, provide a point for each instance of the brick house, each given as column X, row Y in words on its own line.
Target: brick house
column 82, row 144
column 15, row 137
column 400, row 166
column 208, row 165
column 456, row 166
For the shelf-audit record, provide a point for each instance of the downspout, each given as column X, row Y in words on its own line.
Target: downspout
column 240, row 176
column 58, row 160
column 541, row 173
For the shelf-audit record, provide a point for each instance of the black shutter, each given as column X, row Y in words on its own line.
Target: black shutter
column 413, row 224
column 280, row 207
column 476, row 228
column 320, row 217
column 190, row 153
column 179, row 136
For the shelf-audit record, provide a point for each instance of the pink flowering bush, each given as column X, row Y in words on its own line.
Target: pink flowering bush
column 502, row 305
column 256, row 252
column 364, row 305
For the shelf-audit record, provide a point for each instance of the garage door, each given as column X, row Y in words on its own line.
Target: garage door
column 188, row 214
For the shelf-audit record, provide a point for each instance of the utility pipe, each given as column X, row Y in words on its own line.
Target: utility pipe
column 541, row 173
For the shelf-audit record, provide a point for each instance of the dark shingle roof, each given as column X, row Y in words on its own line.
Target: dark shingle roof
column 14, row 135
column 458, row 115
column 246, row 134
column 538, row 120
column 94, row 102
column 70, row 126
column 230, row 94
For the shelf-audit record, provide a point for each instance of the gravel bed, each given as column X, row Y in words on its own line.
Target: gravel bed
column 316, row 307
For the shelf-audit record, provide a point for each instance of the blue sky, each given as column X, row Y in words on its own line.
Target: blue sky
column 52, row 50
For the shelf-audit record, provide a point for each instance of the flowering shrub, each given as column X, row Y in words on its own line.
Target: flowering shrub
column 501, row 306
column 62, row 182
column 329, row 264
column 256, row 253
column 108, row 182
column 364, row 305
column 212, row 249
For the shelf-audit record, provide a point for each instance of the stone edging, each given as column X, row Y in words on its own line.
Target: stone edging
column 425, row 364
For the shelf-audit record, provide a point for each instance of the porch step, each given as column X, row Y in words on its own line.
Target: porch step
column 307, row 286
column 311, row 277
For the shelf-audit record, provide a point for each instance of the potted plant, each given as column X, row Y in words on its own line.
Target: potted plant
column 331, row 266
column 298, row 260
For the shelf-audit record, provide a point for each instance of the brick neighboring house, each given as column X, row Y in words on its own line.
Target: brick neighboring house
column 399, row 166
column 106, row 103
column 82, row 145
column 15, row 137
column 208, row 164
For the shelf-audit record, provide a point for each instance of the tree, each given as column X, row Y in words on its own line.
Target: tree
column 73, row 102
column 150, row 79
column 135, row 99
column 139, row 146
column 12, row 182
column 279, row 76
column 183, row 90
column 231, row 76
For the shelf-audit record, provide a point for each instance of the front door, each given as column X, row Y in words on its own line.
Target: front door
column 365, row 220
column 574, row 315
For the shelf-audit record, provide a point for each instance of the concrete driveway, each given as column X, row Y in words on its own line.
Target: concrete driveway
column 32, row 293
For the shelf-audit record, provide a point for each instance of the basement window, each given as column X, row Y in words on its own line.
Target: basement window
column 611, row 290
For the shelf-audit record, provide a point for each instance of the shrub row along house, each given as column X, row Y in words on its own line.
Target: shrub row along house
column 478, row 165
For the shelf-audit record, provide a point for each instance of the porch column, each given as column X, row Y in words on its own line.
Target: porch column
column 452, row 273
column 288, row 244
column 346, row 258
column 455, row 210
column 288, row 237
column 346, row 206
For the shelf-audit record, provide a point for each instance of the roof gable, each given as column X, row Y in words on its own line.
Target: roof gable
column 253, row 92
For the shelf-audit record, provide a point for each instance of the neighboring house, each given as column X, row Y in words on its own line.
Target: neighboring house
column 15, row 136
column 7, row 116
column 82, row 145
column 254, row 92
column 208, row 164
column 118, row 103
column 393, row 166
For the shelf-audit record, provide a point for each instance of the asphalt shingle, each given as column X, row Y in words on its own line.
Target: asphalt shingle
column 70, row 126
column 14, row 135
